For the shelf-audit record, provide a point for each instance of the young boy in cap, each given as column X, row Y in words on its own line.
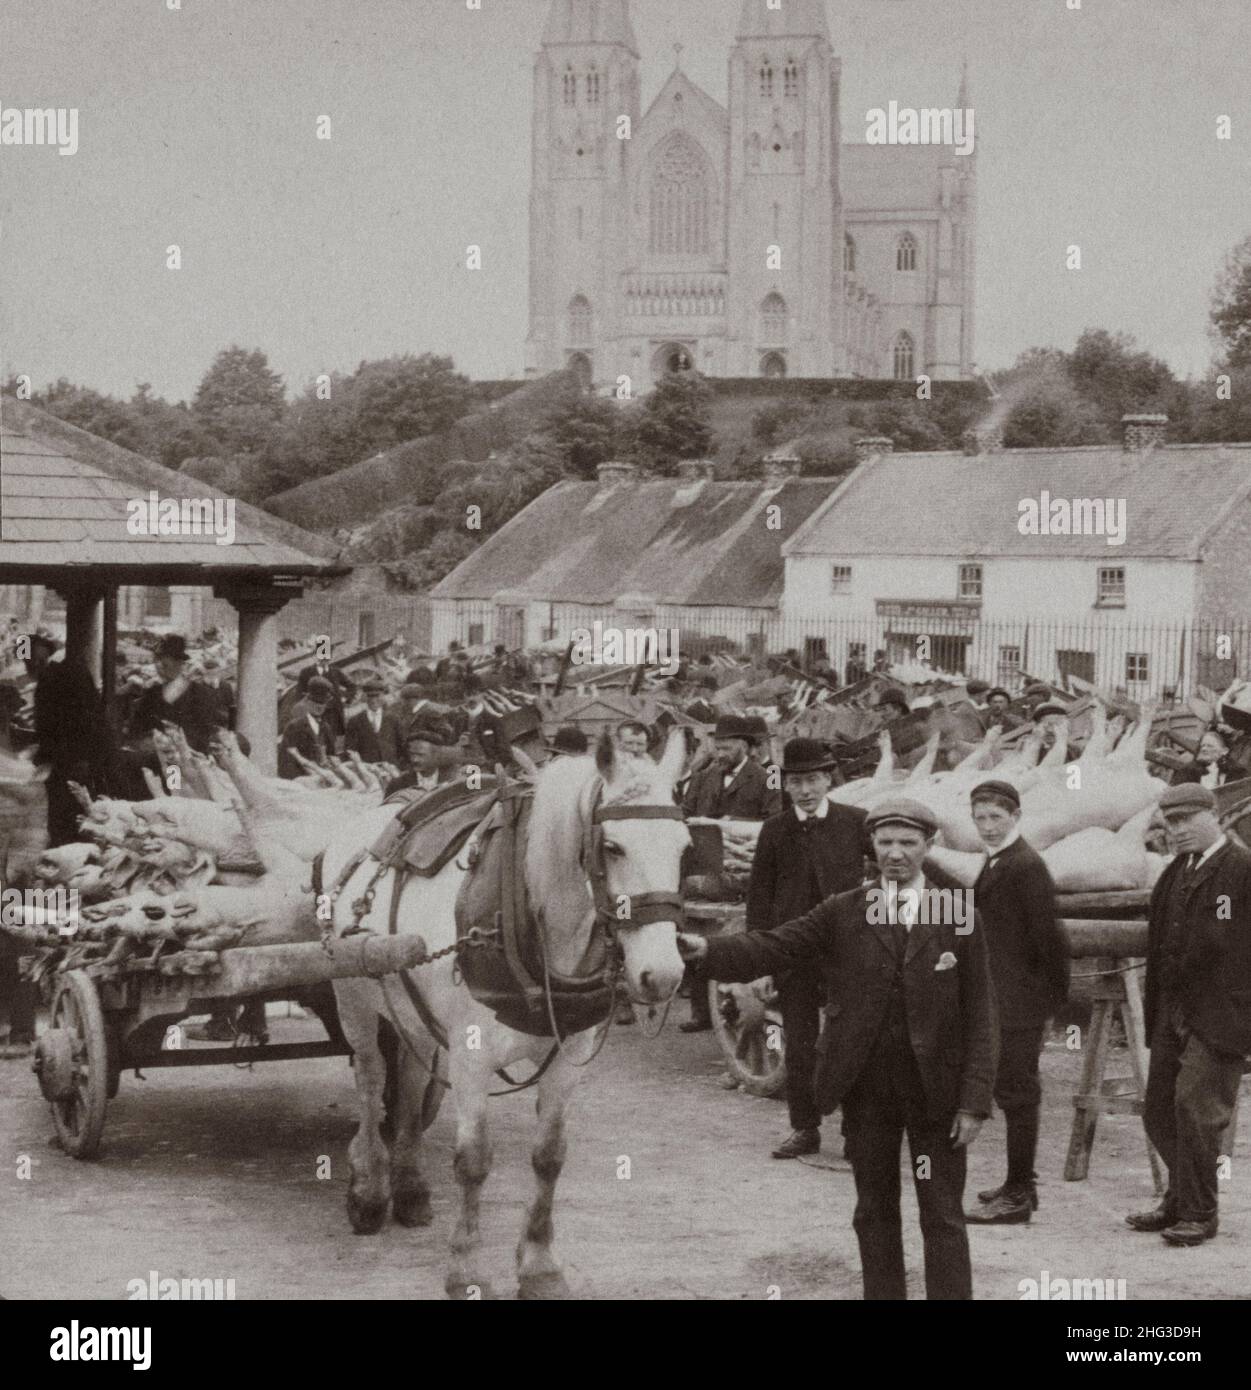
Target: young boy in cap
column 908, row 1045
column 810, row 852
column 1198, row 1010
column 1029, row 963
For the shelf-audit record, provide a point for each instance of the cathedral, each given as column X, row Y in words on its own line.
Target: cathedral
column 740, row 240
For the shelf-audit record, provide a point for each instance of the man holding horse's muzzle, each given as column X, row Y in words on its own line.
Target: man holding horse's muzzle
column 907, row 1045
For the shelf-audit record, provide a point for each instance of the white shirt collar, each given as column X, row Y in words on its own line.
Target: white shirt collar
column 818, row 814
column 728, row 777
column 897, row 894
column 1013, row 836
column 1210, row 851
column 313, row 724
column 427, row 781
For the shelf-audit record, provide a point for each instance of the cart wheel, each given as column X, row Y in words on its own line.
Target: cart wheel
column 79, row 1117
column 748, row 1026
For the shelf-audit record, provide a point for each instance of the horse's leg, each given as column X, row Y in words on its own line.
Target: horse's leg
column 470, row 1083
column 410, row 1193
column 369, row 1184
column 537, row 1267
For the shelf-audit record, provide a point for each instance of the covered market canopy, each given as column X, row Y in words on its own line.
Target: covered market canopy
column 83, row 516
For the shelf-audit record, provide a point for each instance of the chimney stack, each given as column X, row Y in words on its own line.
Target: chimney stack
column 778, row 466
column 616, row 474
column 1144, row 432
column 872, row 445
column 697, row 470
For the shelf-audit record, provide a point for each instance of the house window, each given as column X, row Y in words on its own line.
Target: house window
column 1009, row 665
column 1135, row 667
column 790, row 78
column 592, row 88
column 815, row 649
column 1111, row 586
column 766, row 79
column 157, row 603
column 906, row 252
column 475, row 635
column 849, row 253
column 840, row 579
column 570, row 87
column 579, row 321
column 366, row 634
column 773, row 318
column 903, row 357
column 970, row 582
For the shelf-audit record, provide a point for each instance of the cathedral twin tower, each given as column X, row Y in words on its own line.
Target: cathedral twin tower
column 740, row 241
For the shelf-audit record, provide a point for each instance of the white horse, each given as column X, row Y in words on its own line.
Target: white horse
column 624, row 807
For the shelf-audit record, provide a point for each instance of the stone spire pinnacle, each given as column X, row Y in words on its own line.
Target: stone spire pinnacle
column 767, row 19
column 590, row 21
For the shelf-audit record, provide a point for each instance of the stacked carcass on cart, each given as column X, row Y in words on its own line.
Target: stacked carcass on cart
column 178, row 878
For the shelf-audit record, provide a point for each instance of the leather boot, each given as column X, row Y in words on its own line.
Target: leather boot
column 1012, row 1207
column 993, row 1194
column 801, row 1141
column 1191, row 1232
column 1157, row 1219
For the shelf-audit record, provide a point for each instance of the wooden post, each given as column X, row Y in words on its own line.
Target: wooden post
column 258, row 606
column 108, row 649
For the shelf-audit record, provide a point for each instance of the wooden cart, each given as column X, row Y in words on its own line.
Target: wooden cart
column 106, row 1019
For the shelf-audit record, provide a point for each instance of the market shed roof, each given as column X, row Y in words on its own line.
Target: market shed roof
column 64, row 496
column 1176, row 499
column 676, row 541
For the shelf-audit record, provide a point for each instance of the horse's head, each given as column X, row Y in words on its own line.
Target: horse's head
column 637, row 839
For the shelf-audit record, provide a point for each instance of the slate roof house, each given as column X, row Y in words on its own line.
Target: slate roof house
column 688, row 552
column 1119, row 564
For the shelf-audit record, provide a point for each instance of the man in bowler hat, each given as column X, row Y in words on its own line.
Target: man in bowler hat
column 810, row 852
column 908, row 1045
column 734, row 786
column 1198, row 1010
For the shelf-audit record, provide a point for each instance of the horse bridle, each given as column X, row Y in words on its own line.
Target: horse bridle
column 643, row 908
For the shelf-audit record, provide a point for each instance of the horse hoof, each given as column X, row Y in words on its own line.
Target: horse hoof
column 367, row 1217
column 468, row 1293
column 413, row 1209
column 534, row 1287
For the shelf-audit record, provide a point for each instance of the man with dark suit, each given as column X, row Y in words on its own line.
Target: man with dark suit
column 997, row 713
column 1029, row 963
column 810, row 852
column 341, row 688
column 1213, row 764
column 308, row 731
column 374, row 732
column 1198, row 1010
column 734, row 787
column 908, row 1043
column 431, row 763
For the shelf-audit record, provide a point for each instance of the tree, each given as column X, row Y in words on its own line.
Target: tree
column 399, row 398
column 672, row 423
column 1108, row 371
column 906, row 423
column 1049, row 411
column 585, row 433
column 1231, row 307
column 240, row 401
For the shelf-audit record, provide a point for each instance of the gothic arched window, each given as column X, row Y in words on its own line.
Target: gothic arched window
column 570, row 87
column 903, row 357
column 790, row 78
column 766, row 78
column 906, row 252
column 680, row 200
column 849, row 252
column 592, row 87
column 773, row 318
column 580, row 321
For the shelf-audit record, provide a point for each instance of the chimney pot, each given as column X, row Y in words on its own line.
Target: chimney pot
column 780, row 465
column 872, row 445
column 616, row 474
column 1144, row 432
column 697, row 470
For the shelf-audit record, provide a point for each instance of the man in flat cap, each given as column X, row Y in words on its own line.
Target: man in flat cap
column 733, row 786
column 1029, row 963
column 908, row 1045
column 810, row 852
column 309, row 732
column 374, row 732
column 1198, row 1010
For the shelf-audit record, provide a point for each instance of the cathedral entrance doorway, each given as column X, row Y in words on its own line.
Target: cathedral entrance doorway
column 673, row 357
column 773, row 364
column 580, row 366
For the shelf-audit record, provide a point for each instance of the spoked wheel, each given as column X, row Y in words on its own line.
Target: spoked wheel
column 78, row 1082
column 748, row 1025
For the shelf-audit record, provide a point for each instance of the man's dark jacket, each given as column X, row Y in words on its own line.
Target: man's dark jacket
column 951, row 1023
column 385, row 746
column 795, row 867
column 299, row 735
column 1213, row 988
column 1029, row 956
column 196, row 712
column 748, row 797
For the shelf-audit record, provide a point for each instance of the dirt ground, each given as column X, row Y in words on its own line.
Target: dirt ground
column 213, row 1173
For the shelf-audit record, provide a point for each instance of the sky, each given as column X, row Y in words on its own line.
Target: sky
column 1095, row 127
